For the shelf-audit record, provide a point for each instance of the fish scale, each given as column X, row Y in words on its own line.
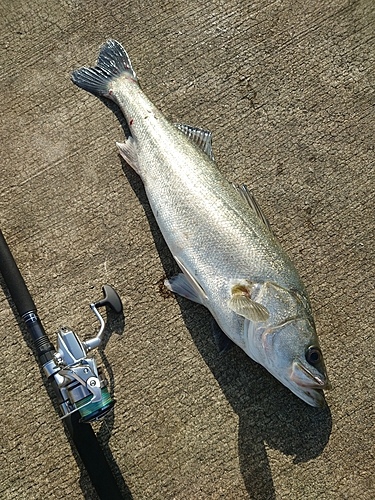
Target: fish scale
column 231, row 262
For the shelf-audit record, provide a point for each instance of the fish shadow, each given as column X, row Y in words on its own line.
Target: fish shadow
column 270, row 416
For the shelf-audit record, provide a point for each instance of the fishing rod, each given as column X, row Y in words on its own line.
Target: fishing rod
column 78, row 383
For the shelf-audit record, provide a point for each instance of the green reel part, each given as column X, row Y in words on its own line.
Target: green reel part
column 91, row 412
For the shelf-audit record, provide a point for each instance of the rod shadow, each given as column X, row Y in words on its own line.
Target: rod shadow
column 270, row 416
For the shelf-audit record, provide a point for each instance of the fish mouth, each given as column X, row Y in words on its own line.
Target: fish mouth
column 305, row 378
column 309, row 385
column 313, row 397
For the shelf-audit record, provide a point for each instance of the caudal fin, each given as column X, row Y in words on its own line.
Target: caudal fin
column 112, row 63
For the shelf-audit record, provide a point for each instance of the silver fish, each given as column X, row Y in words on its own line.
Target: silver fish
column 231, row 262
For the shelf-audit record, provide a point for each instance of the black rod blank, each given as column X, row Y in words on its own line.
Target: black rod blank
column 14, row 281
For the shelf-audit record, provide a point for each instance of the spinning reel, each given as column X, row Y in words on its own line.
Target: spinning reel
column 80, row 384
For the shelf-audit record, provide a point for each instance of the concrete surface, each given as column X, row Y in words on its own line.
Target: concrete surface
column 287, row 88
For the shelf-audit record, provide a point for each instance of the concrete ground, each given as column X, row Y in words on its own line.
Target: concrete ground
column 287, row 88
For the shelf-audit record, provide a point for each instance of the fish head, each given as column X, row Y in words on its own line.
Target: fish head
column 287, row 344
column 291, row 353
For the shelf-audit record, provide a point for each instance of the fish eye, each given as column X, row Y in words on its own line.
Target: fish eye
column 313, row 355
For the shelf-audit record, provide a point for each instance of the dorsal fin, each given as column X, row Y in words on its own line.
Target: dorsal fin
column 250, row 199
column 201, row 137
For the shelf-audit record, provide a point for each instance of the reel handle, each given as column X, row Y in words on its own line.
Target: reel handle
column 110, row 299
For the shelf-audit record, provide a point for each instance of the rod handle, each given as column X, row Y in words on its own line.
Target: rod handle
column 94, row 460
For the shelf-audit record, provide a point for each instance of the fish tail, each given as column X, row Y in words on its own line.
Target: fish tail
column 113, row 62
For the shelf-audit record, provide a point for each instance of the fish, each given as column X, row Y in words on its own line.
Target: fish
column 230, row 260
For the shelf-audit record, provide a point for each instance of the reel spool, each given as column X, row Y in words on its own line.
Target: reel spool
column 91, row 412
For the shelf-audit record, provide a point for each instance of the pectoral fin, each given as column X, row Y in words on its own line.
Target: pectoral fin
column 242, row 304
column 249, row 309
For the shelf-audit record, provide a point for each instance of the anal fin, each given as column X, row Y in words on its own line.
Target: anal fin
column 128, row 151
